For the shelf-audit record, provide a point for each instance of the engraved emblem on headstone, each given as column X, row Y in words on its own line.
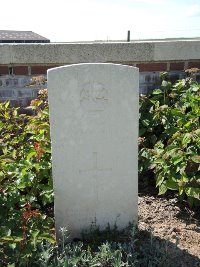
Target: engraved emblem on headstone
column 93, row 97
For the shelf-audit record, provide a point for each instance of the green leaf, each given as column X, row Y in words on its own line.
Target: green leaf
column 17, row 239
column 195, row 88
column 145, row 122
column 157, row 92
column 165, row 83
column 162, row 189
column 159, row 180
column 187, row 125
column 153, row 102
column 163, row 107
column 193, row 192
column 31, row 154
column 173, row 151
column 177, row 159
column 6, row 238
column 197, row 132
column 181, row 190
column 5, row 231
column 186, row 138
column 196, row 159
column 12, row 246
column 35, row 237
column 47, row 237
column 172, row 184
column 7, row 104
column 176, row 112
column 7, row 160
column 15, row 113
column 14, row 153
column 144, row 153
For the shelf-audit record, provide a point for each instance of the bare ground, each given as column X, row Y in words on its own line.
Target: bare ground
column 173, row 221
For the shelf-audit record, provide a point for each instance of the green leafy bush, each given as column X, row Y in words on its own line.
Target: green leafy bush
column 26, row 194
column 170, row 137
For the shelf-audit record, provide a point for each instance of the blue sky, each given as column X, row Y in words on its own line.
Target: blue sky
column 88, row 20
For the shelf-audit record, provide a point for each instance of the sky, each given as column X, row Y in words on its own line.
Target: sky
column 107, row 20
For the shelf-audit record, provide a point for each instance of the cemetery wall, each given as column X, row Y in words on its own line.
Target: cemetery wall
column 19, row 61
column 186, row 51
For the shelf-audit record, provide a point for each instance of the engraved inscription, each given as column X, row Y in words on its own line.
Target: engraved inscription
column 94, row 97
column 96, row 172
column 95, row 168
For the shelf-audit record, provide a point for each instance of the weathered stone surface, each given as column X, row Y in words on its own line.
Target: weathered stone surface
column 94, row 129
column 121, row 52
column 176, row 50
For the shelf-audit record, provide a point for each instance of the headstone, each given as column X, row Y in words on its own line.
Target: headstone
column 94, row 129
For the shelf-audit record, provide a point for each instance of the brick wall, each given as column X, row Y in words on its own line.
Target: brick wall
column 25, row 69
column 152, row 67
column 20, row 70
column 143, row 67
column 38, row 70
column 3, row 70
column 168, row 66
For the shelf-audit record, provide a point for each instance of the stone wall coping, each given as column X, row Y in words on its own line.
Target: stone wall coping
column 117, row 52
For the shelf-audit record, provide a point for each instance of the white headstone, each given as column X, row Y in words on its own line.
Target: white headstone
column 94, row 129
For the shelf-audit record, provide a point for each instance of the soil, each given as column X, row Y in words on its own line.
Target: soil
column 173, row 221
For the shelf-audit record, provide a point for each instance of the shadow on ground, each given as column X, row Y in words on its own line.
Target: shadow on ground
column 173, row 255
column 170, row 220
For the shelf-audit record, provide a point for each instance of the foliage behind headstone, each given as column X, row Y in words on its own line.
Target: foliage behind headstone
column 169, row 142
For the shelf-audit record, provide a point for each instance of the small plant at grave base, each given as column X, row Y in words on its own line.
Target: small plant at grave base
column 169, row 143
column 26, row 191
column 127, row 248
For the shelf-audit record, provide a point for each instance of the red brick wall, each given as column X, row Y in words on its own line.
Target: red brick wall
column 167, row 66
column 35, row 70
column 20, row 70
column 152, row 66
column 3, row 70
column 143, row 67
column 194, row 65
column 38, row 70
column 176, row 66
